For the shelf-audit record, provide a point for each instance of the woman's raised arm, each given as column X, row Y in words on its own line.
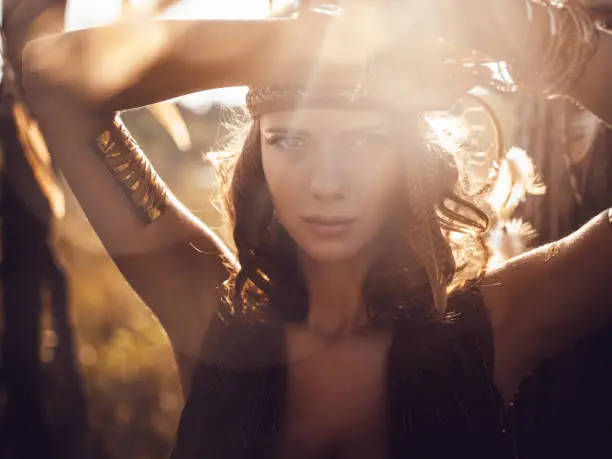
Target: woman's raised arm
column 75, row 83
column 139, row 62
column 172, row 260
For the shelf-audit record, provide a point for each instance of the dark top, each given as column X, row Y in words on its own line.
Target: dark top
column 563, row 409
column 441, row 401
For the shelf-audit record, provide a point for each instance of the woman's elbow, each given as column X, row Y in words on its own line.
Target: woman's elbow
column 41, row 66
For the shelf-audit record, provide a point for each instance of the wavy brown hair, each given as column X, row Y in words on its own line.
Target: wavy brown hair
column 434, row 237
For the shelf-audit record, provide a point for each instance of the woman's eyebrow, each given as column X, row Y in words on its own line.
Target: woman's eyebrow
column 343, row 132
column 300, row 132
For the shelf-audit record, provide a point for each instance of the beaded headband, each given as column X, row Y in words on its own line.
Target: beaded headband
column 265, row 99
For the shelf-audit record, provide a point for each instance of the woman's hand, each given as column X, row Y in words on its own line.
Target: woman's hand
column 489, row 26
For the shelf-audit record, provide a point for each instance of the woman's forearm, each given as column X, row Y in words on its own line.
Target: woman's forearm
column 593, row 87
column 143, row 62
column 207, row 55
column 130, row 65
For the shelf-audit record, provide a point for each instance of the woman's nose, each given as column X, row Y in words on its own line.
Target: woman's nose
column 328, row 180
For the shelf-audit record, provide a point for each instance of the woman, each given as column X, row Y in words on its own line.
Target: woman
column 335, row 336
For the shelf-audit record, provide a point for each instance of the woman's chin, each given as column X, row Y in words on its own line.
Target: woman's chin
column 330, row 252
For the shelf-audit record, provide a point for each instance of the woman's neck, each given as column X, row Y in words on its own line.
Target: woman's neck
column 335, row 290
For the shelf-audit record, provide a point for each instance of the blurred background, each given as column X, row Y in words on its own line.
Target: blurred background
column 86, row 370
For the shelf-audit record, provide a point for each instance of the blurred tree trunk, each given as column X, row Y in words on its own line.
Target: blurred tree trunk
column 45, row 414
column 25, row 252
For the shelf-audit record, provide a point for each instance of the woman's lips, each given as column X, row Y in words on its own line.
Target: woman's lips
column 329, row 227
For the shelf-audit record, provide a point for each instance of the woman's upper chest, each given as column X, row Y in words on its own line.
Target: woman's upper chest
column 336, row 393
column 383, row 391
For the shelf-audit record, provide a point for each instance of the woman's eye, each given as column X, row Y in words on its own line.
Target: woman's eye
column 287, row 142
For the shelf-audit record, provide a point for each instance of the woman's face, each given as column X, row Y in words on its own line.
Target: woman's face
column 333, row 175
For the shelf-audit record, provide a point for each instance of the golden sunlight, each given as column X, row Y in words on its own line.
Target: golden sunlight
column 222, row 9
column 89, row 13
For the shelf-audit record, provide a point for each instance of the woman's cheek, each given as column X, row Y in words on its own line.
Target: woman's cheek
column 286, row 189
column 383, row 180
